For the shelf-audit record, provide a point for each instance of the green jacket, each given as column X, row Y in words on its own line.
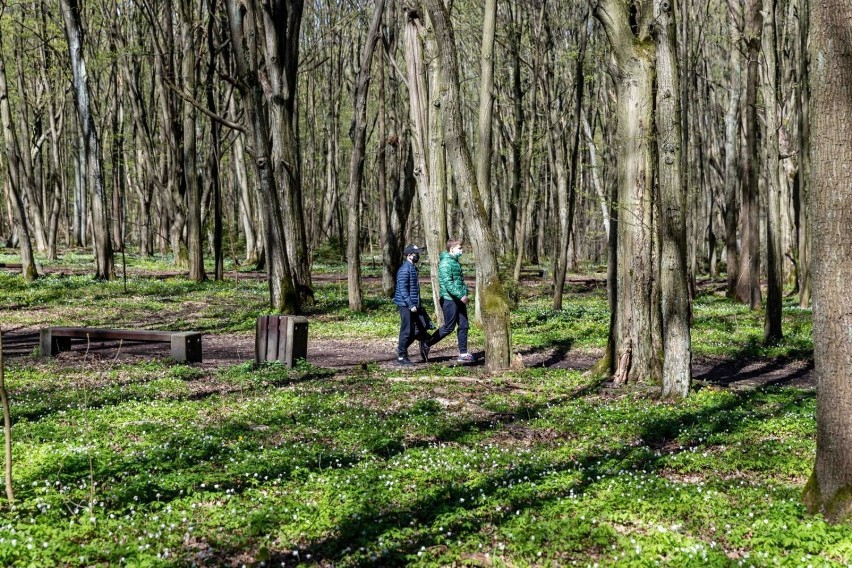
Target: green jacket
column 451, row 278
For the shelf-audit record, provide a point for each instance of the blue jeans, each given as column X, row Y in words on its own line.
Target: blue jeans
column 455, row 312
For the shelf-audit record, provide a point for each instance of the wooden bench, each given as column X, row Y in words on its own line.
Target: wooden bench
column 186, row 345
column 281, row 338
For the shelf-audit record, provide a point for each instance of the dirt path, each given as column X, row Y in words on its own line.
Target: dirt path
column 231, row 349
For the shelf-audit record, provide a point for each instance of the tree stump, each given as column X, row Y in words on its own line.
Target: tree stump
column 281, row 338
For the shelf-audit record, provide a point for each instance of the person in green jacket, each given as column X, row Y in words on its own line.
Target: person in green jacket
column 454, row 300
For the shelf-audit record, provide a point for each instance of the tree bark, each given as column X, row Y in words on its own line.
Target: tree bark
column 829, row 489
column 194, row 238
column 358, row 134
column 732, row 151
column 427, row 139
column 804, row 173
column 242, row 18
column 677, row 347
column 774, row 260
column 104, row 269
column 495, row 308
column 634, row 57
column 28, row 266
column 748, row 285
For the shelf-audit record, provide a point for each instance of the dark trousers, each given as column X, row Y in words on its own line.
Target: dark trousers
column 412, row 327
column 455, row 312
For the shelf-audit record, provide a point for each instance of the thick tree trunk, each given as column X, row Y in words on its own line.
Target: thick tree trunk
column 242, row 18
column 279, row 34
column 748, row 285
column 427, row 140
column 358, row 133
column 674, row 288
column 495, row 308
column 194, row 233
column 829, row 490
column 634, row 57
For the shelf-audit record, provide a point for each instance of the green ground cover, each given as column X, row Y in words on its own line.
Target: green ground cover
column 157, row 464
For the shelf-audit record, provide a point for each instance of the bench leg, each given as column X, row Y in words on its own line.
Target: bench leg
column 186, row 348
column 51, row 346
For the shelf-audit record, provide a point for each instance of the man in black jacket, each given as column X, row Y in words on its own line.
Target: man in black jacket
column 414, row 322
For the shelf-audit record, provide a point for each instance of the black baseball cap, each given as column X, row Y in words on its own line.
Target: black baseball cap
column 412, row 249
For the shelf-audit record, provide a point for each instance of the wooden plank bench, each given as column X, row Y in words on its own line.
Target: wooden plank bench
column 281, row 338
column 186, row 345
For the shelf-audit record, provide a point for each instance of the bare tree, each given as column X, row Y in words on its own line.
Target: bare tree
column 104, row 268
column 495, row 308
column 358, row 134
column 748, row 286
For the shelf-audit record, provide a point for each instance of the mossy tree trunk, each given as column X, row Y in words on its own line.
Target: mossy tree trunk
column 495, row 307
column 829, row 490
column 633, row 53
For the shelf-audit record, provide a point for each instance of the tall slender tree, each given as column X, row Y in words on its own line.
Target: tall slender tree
column 495, row 307
column 104, row 263
column 358, row 134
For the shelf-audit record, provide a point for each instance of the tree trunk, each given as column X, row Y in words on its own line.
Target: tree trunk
column 829, row 490
column 194, row 234
column 279, row 26
column 677, row 347
column 104, row 269
column 28, row 266
column 215, row 148
column 634, row 56
column 242, row 18
column 774, row 260
column 732, row 151
column 427, row 140
column 358, row 134
column 748, row 286
column 495, row 308
column 804, row 173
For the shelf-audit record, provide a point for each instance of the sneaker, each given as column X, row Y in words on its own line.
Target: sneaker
column 404, row 362
column 466, row 358
column 424, row 351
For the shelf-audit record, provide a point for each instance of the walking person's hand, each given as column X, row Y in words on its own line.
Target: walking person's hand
column 464, row 299
column 413, row 308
